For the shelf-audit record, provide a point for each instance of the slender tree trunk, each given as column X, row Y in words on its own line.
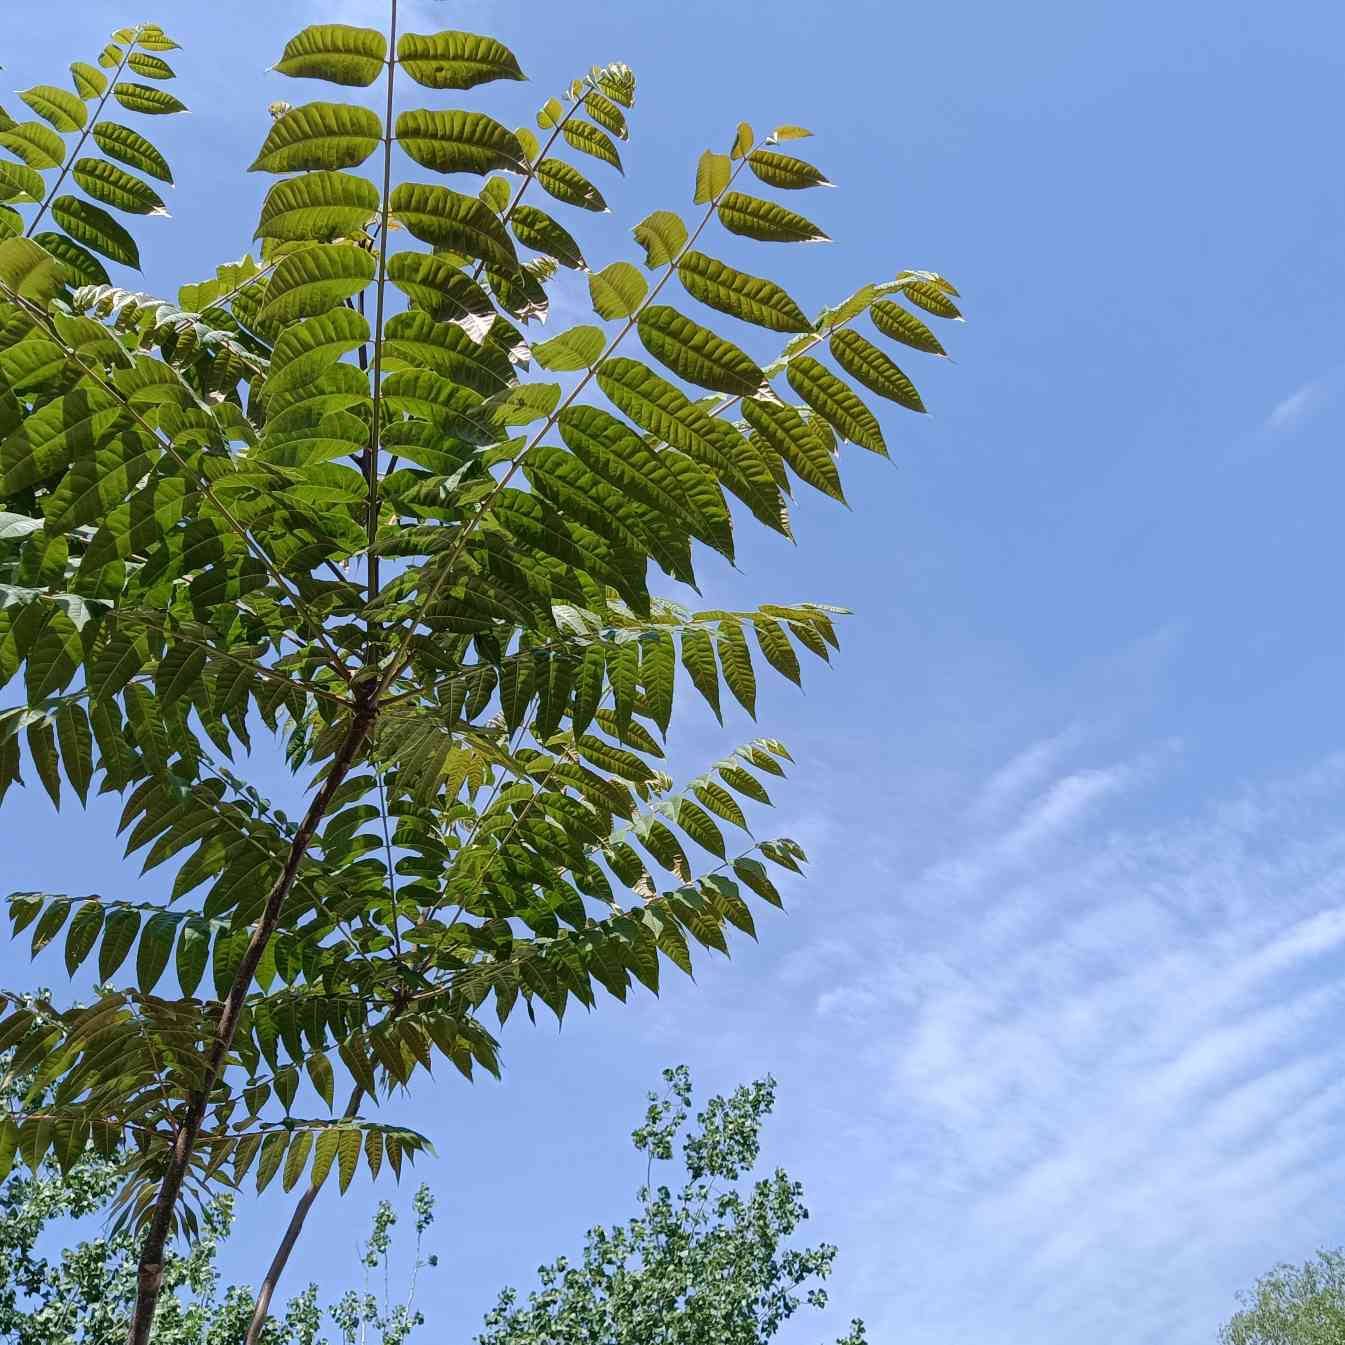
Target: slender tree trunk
column 150, row 1277
column 282, row 1256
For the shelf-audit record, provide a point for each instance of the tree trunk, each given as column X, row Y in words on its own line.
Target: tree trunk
column 282, row 1256
column 150, row 1279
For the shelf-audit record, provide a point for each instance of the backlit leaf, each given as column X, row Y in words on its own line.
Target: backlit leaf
column 114, row 186
column 61, row 108
column 713, row 172
column 319, row 135
column 317, row 207
column 589, row 139
column 662, row 235
column 449, row 219
column 568, row 184
column 459, row 142
column 617, row 290
column 337, row 53
column 455, row 60
column 898, row 324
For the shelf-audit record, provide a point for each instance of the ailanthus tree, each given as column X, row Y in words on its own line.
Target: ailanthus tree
column 334, row 493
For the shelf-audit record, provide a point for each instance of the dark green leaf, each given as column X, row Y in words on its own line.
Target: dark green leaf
column 536, row 229
column 120, row 142
column 114, row 186
column 835, row 403
column 449, row 219
column 780, row 170
column 899, row 325
column 740, row 295
column 568, row 184
column 146, row 99
column 695, row 353
column 863, row 360
column 764, row 220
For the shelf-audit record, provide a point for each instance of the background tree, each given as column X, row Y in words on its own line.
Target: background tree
column 335, row 493
column 1293, row 1305
column 708, row 1262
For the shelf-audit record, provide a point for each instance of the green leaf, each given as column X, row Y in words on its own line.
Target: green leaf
column 932, row 298
column 449, row 219
column 536, row 229
column 835, row 403
column 18, row 182
column 156, row 945
column 296, row 1159
column 120, row 142
column 780, row 170
column 96, row 229
column 319, row 135
column 37, row 145
column 712, row 176
column 740, row 295
column 617, row 81
column 337, row 53
column 765, row 221
column 735, row 660
column 589, row 139
column 75, row 738
column 83, row 934
column 695, row 353
column 116, row 187
column 119, row 935
column 662, row 235
column 316, row 280
column 459, row 142
column 578, row 348
column 90, row 82
column 82, row 266
column 437, row 286
column 794, row 440
column 348, row 1156
column 317, row 207
column 698, row 658
column 568, row 184
column 790, row 133
column 607, row 114
column 146, row 99
column 150, row 67
column 455, row 60
column 193, row 952
column 752, row 874
column 899, row 325
column 699, row 825
column 617, row 290
column 61, row 108
column 30, row 271
column 307, row 349
column 743, row 140
column 863, row 360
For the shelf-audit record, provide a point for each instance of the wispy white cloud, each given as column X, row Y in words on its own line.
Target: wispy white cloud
column 1101, row 1078
column 1300, row 406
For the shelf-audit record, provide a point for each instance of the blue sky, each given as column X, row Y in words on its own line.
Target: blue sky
column 1056, row 1015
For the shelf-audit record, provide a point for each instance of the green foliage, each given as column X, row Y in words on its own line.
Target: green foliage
column 1293, row 1305
column 711, row 1261
column 325, row 492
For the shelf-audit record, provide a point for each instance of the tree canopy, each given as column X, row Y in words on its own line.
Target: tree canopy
column 332, row 493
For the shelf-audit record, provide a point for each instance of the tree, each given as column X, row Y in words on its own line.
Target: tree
column 1293, row 1305
column 709, row 1263
column 334, row 493
column 87, row 1295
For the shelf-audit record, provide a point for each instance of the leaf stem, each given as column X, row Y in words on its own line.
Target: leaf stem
column 79, row 144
